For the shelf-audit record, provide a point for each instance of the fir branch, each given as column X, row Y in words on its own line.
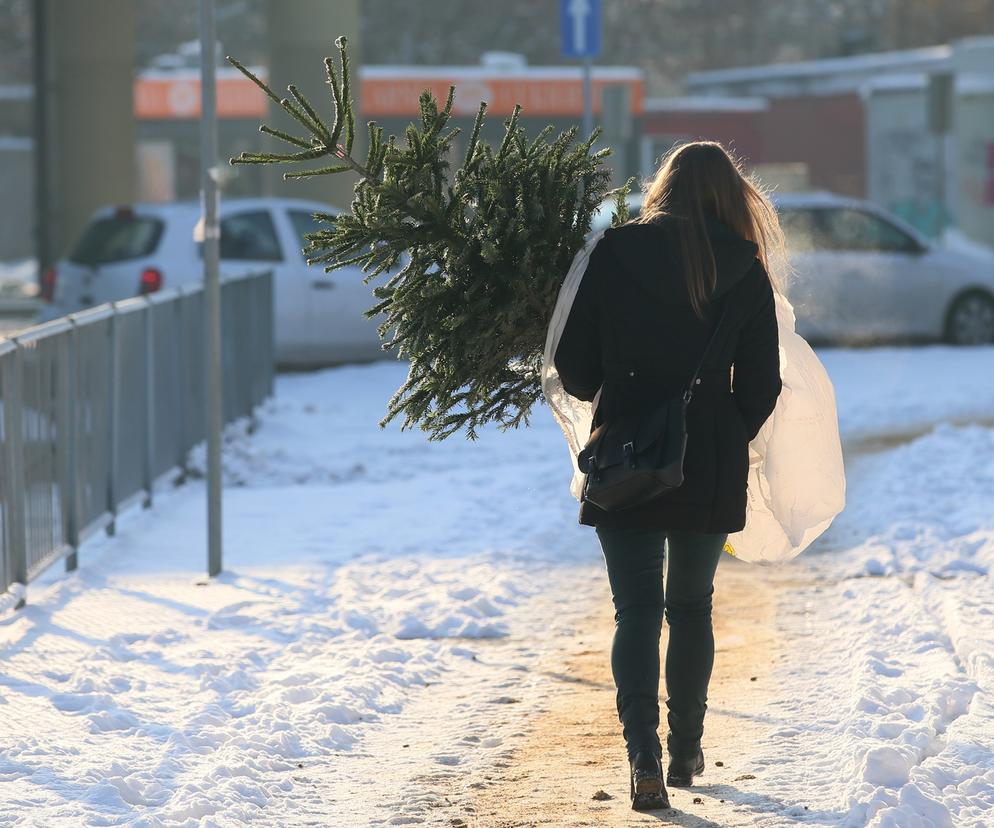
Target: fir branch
column 335, row 168
column 278, row 133
column 311, row 115
column 346, row 94
column 469, row 261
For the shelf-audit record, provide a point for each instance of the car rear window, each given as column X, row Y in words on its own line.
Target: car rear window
column 250, row 236
column 117, row 238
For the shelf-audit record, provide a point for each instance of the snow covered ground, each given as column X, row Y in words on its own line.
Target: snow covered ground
column 885, row 712
column 387, row 600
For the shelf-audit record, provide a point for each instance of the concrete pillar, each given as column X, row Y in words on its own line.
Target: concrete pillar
column 88, row 105
column 301, row 35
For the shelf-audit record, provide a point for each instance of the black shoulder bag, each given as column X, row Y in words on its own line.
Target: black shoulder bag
column 637, row 457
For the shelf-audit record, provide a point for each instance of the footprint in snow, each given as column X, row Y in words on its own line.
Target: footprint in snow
column 447, row 759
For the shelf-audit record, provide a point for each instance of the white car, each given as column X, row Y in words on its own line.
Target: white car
column 141, row 248
column 863, row 275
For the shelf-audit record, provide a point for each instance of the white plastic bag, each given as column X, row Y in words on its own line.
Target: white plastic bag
column 797, row 482
column 574, row 416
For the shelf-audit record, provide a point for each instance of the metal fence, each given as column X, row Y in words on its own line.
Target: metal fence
column 97, row 406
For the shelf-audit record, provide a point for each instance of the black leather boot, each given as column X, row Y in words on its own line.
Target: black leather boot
column 682, row 770
column 647, row 789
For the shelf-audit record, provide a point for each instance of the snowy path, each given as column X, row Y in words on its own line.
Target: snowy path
column 395, row 610
column 879, row 709
column 571, row 768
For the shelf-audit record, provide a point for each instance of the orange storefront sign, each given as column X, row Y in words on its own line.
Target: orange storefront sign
column 178, row 96
column 537, row 96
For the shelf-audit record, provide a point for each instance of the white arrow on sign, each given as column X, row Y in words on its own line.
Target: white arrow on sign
column 579, row 10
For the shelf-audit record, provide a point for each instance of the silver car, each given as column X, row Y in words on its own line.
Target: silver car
column 135, row 249
column 863, row 275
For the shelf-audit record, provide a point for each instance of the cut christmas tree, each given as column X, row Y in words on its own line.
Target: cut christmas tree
column 470, row 261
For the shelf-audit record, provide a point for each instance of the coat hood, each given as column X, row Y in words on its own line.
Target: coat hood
column 651, row 252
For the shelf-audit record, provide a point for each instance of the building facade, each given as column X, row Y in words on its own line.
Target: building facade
column 911, row 130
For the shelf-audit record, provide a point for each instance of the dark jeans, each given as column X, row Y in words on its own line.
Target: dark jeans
column 635, row 569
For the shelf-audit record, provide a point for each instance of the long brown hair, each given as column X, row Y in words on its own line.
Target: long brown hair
column 702, row 176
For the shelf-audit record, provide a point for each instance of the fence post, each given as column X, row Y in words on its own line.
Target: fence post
column 149, row 403
column 271, row 334
column 257, row 347
column 181, row 403
column 70, row 490
column 113, row 386
column 245, row 352
column 269, row 325
column 17, row 535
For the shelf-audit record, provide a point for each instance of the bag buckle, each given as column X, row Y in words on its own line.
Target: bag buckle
column 628, row 449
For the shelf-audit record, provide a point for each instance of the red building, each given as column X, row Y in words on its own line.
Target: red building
column 795, row 141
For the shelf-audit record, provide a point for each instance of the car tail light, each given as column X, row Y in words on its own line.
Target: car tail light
column 47, row 287
column 151, row 281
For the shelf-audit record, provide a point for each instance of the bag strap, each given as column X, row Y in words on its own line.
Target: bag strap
column 689, row 393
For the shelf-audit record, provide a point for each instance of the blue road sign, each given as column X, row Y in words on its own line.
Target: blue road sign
column 580, row 28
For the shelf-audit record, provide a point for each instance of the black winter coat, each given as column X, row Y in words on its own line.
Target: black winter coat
column 632, row 328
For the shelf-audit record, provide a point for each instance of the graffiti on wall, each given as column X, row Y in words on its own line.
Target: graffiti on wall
column 975, row 184
column 906, row 177
column 978, row 171
column 924, row 208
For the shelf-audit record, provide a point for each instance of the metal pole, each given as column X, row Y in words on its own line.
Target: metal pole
column 16, row 520
column 212, row 282
column 70, row 492
column 40, row 149
column 588, row 102
column 113, row 419
column 148, row 461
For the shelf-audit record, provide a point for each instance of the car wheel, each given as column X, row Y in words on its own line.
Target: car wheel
column 971, row 320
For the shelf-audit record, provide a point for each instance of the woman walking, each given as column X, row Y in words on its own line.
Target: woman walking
column 690, row 278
